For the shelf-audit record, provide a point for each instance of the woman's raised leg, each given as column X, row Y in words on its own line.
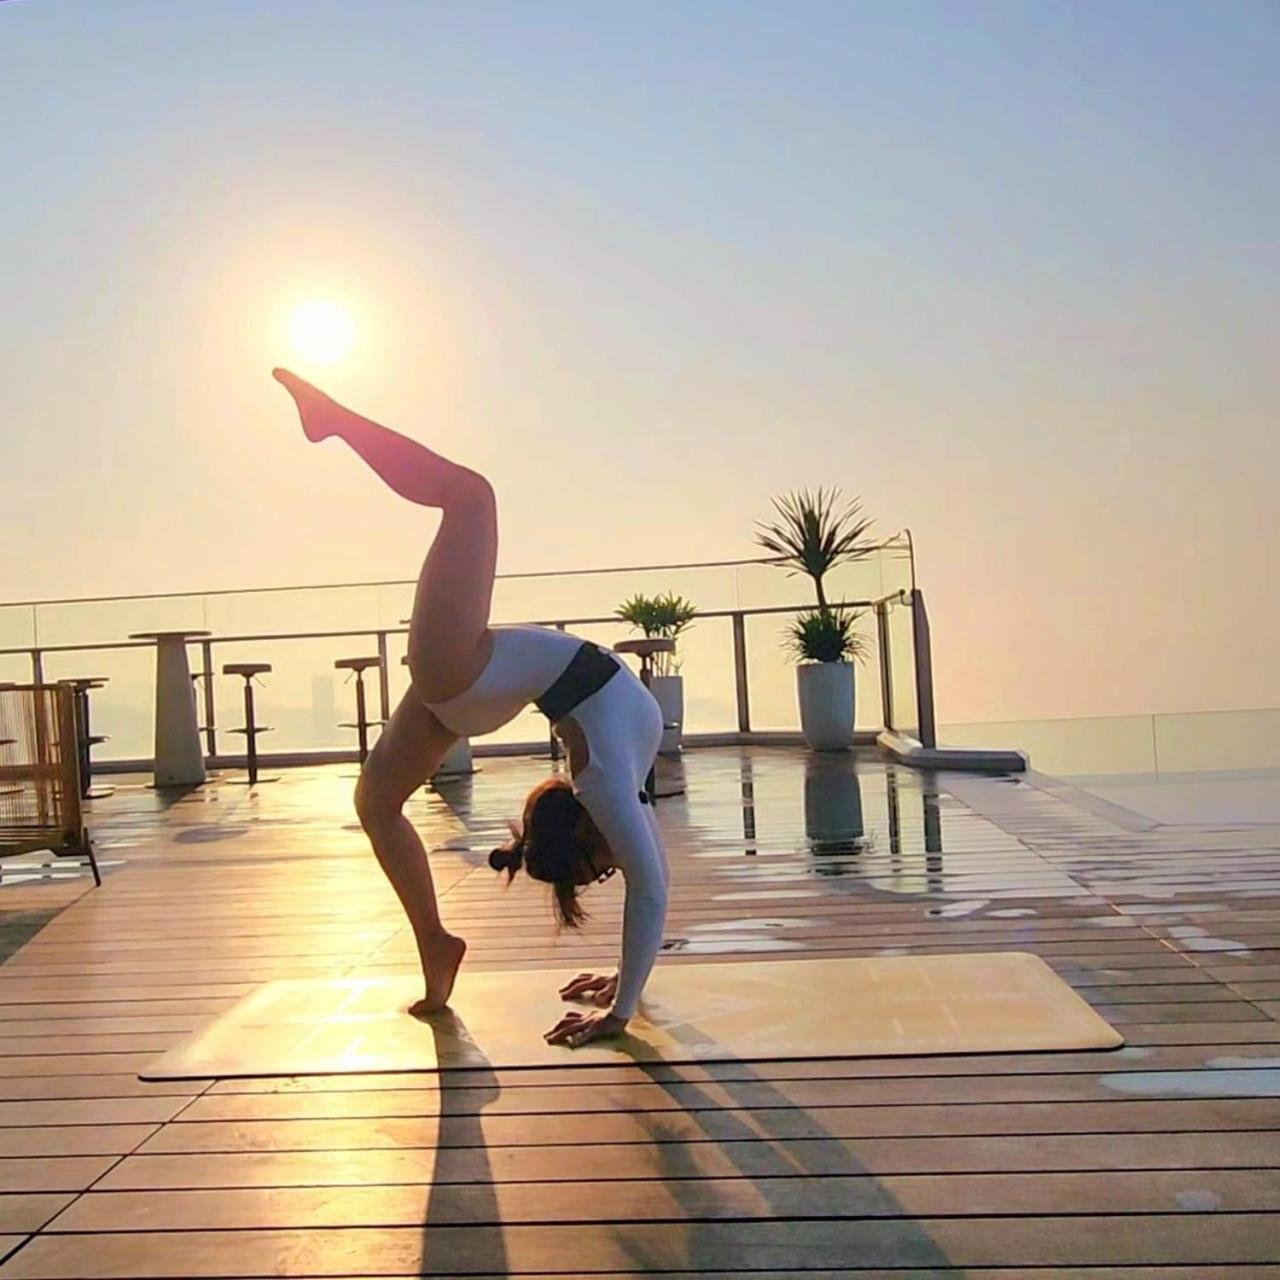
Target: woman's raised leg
column 449, row 632
column 405, row 756
column 448, row 646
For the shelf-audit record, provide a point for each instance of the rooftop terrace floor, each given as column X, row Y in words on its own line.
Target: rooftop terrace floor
column 1155, row 1160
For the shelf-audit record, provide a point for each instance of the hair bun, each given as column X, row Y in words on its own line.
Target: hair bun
column 506, row 858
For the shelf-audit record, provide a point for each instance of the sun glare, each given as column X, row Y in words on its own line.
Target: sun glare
column 322, row 332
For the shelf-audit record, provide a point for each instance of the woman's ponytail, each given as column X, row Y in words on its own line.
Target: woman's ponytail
column 508, row 858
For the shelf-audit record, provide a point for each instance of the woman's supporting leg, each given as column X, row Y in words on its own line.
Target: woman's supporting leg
column 448, row 633
column 406, row 755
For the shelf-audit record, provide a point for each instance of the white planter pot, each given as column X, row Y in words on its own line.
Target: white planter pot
column 825, row 690
column 669, row 691
column 457, row 762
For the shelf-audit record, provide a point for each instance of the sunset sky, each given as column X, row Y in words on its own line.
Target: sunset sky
column 1008, row 271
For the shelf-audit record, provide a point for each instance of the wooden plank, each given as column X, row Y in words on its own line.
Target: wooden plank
column 581, row 1099
column 91, row 1111
column 1122, row 1015
column 1160, row 1058
column 674, row 1199
column 52, row 1044
column 52, row 1173
column 24, row 1213
column 1257, row 990
column 658, row 1157
column 628, row 1247
column 34, row 1088
column 1140, row 1034
column 77, row 1140
column 20, row 1066
column 32, row 990
column 49, row 1012
column 1200, row 1115
column 106, row 1024
column 1246, row 1272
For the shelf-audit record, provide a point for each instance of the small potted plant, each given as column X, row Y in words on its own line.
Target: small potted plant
column 815, row 532
column 663, row 617
column 826, row 644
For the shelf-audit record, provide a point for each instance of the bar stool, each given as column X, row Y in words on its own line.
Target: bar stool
column 458, row 762
column 86, row 739
column 646, row 650
column 251, row 727
column 7, row 742
column 362, row 722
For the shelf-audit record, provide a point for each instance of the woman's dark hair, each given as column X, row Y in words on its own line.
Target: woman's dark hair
column 554, row 847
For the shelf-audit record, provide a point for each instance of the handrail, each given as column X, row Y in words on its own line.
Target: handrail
column 407, row 582
column 383, row 582
column 404, row 630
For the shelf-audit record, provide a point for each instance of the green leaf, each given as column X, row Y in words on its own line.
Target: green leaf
column 827, row 635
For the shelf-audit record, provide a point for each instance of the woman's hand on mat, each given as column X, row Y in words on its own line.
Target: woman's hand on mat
column 594, row 988
column 576, row 1029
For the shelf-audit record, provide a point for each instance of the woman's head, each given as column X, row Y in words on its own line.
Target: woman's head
column 559, row 845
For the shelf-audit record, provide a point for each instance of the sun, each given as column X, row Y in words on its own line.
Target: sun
column 322, row 332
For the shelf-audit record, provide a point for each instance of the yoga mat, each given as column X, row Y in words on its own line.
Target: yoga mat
column 1005, row 1002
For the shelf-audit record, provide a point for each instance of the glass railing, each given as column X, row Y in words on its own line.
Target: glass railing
column 902, row 710
column 905, row 662
column 301, row 631
column 1154, row 745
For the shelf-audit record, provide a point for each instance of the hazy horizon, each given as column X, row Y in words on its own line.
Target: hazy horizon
column 1007, row 272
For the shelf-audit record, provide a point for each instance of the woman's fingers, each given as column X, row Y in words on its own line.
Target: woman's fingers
column 590, row 984
column 575, row 1029
column 562, row 1028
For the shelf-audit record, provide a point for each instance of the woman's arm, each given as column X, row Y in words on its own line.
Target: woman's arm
column 644, row 917
column 629, row 827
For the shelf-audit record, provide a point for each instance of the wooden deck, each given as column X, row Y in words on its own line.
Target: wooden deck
column 1157, row 1160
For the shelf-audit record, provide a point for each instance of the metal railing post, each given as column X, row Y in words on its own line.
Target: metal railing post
column 210, row 715
column 384, row 678
column 740, row 672
column 886, row 666
column 924, row 670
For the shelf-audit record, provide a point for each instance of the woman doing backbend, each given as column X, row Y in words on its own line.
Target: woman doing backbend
column 470, row 678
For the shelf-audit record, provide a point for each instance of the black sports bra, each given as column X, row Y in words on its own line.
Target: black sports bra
column 589, row 670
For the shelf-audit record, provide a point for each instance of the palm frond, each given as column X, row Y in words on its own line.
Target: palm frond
column 816, row 531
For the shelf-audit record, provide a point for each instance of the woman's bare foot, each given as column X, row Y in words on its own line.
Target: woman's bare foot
column 321, row 416
column 440, row 968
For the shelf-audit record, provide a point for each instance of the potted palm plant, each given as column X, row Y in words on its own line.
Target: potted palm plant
column 812, row 534
column 663, row 617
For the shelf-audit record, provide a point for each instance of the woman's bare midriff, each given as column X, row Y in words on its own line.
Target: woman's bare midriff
column 569, row 731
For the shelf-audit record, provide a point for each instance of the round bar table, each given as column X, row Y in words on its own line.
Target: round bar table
column 179, row 760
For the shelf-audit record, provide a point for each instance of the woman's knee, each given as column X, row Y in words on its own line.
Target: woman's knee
column 471, row 491
column 377, row 802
